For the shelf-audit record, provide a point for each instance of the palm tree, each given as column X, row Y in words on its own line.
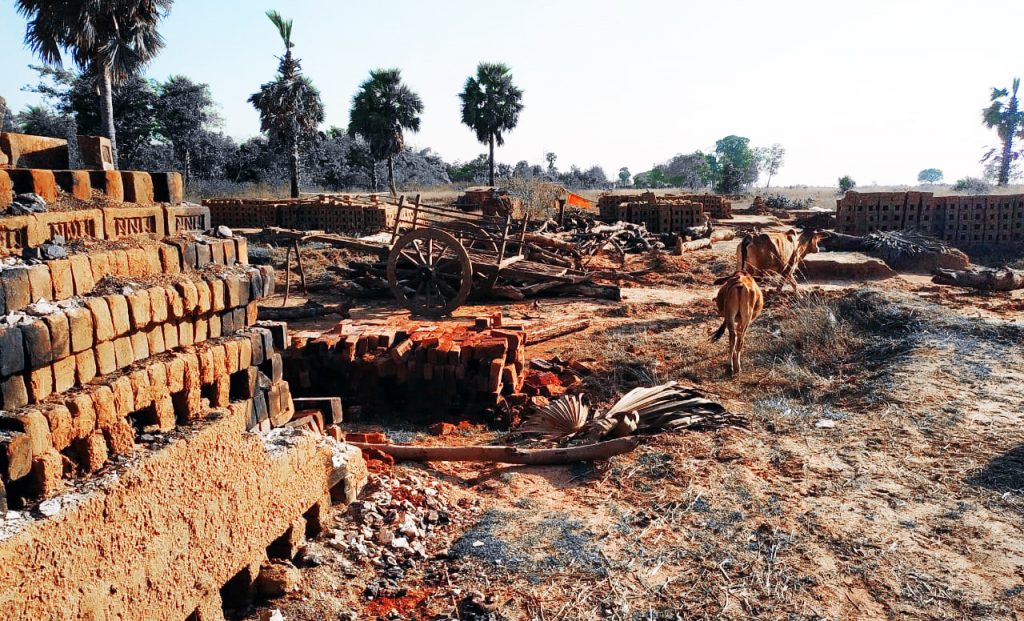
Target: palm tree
column 112, row 38
column 1006, row 116
column 491, row 105
column 382, row 108
column 289, row 106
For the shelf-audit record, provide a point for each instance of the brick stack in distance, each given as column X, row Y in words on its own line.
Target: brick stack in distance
column 351, row 214
column 430, row 369
column 669, row 213
column 959, row 220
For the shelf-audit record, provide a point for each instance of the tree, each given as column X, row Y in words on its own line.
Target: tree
column 550, row 158
column 112, row 40
column 1007, row 118
column 773, row 160
column 183, row 110
column 737, row 165
column 846, row 183
column 43, row 121
column 289, row 106
column 381, row 110
column 688, row 171
column 491, row 104
column 624, row 176
column 929, row 175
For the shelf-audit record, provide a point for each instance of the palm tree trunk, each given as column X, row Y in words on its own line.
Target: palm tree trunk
column 391, row 175
column 769, row 182
column 107, row 112
column 293, row 166
column 491, row 163
column 1004, row 165
column 187, row 165
column 374, row 182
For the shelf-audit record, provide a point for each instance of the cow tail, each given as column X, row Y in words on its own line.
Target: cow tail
column 718, row 333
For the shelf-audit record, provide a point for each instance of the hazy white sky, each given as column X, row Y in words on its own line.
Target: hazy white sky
column 874, row 89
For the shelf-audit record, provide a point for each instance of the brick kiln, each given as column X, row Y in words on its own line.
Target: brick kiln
column 960, row 220
column 151, row 454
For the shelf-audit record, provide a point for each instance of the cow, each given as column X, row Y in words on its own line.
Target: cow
column 739, row 302
column 777, row 253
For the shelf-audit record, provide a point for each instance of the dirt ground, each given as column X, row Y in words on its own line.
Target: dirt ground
column 880, row 475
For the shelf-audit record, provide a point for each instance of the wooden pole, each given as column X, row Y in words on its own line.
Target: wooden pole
column 287, row 275
column 302, row 272
column 507, row 454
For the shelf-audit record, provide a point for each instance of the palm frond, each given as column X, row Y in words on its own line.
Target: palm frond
column 284, row 27
column 560, row 418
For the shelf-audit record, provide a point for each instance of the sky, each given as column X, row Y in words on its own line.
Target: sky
column 876, row 89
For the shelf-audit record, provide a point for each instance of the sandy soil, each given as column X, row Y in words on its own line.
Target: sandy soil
column 881, row 473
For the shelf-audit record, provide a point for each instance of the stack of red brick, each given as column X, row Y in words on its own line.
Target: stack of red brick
column 961, row 220
column 351, row 214
column 127, row 344
column 452, row 365
column 669, row 213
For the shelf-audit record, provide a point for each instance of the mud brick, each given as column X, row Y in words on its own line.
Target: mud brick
column 244, row 296
column 103, row 326
column 233, row 293
column 106, row 358
column 256, row 347
column 103, row 404
column 231, row 350
column 203, row 300
column 119, row 314
column 138, row 187
column 16, row 287
column 158, row 378
column 214, row 326
column 40, row 283
column 186, row 333
column 220, row 363
column 204, row 255
column 189, row 256
column 217, row 295
column 140, row 345
column 99, row 263
column 244, row 353
column 62, row 279
column 47, row 474
column 83, row 415
column 109, row 182
column 15, row 455
column 227, row 323
column 221, row 395
column 240, row 318
column 328, row 407
column 170, row 259
column 85, row 367
column 58, row 422
column 192, row 374
column 175, row 303
column 268, row 280
column 92, row 452
column 33, row 424
column 201, row 330
column 175, row 374
column 163, row 409
column 273, row 367
column 138, row 262
column 139, row 309
column 217, row 253
column 141, row 392
column 279, row 332
column 12, row 351
column 120, row 437
column 64, row 374
column 189, row 295
column 157, row 304
column 60, row 335
column 124, row 354
column 229, row 252
column 118, row 263
column 494, row 379
column 40, row 384
column 207, row 369
column 276, row 409
column 155, row 337
column 80, row 329
column 124, row 396
column 243, row 383
column 255, row 285
column 14, row 392
column 170, row 335
column 36, row 336
column 81, row 272
column 241, row 249
column 259, row 404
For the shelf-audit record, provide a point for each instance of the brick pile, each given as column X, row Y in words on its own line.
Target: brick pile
column 465, row 366
column 661, row 214
column 107, row 186
column 332, row 213
column 960, row 220
column 124, row 340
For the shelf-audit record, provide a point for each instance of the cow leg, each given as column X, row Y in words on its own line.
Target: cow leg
column 732, row 346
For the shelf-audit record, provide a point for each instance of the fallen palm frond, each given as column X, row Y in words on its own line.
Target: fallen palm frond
column 560, row 418
column 642, row 410
column 898, row 245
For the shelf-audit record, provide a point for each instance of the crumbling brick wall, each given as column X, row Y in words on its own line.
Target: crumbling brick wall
column 960, row 220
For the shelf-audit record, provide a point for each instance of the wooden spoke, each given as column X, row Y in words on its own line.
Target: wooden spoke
column 430, row 272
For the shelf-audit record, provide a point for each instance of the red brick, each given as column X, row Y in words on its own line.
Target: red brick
column 80, row 329
column 106, row 358
column 60, row 334
column 62, row 279
column 124, row 355
column 48, row 474
column 85, row 367
column 119, row 315
column 140, row 345
column 58, row 419
column 40, row 383
column 100, row 264
column 83, row 415
column 103, row 402
column 103, row 326
column 64, row 374
column 81, row 272
column 92, row 452
column 40, row 283
column 124, row 396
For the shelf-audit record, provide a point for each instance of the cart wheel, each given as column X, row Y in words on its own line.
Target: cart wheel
column 429, row 272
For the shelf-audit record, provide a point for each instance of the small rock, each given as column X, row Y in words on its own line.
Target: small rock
column 384, row 537
column 278, row 578
column 400, row 543
column 223, row 232
column 478, row 544
column 50, row 507
column 825, row 423
column 271, row 615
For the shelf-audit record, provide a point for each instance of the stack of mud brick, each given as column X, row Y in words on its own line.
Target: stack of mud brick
column 104, row 347
column 356, row 215
column 960, row 220
column 464, row 366
column 717, row 206
column 661, row 214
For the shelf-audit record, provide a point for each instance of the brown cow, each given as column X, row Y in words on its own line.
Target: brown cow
column 739, row 302
column 778, row 253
